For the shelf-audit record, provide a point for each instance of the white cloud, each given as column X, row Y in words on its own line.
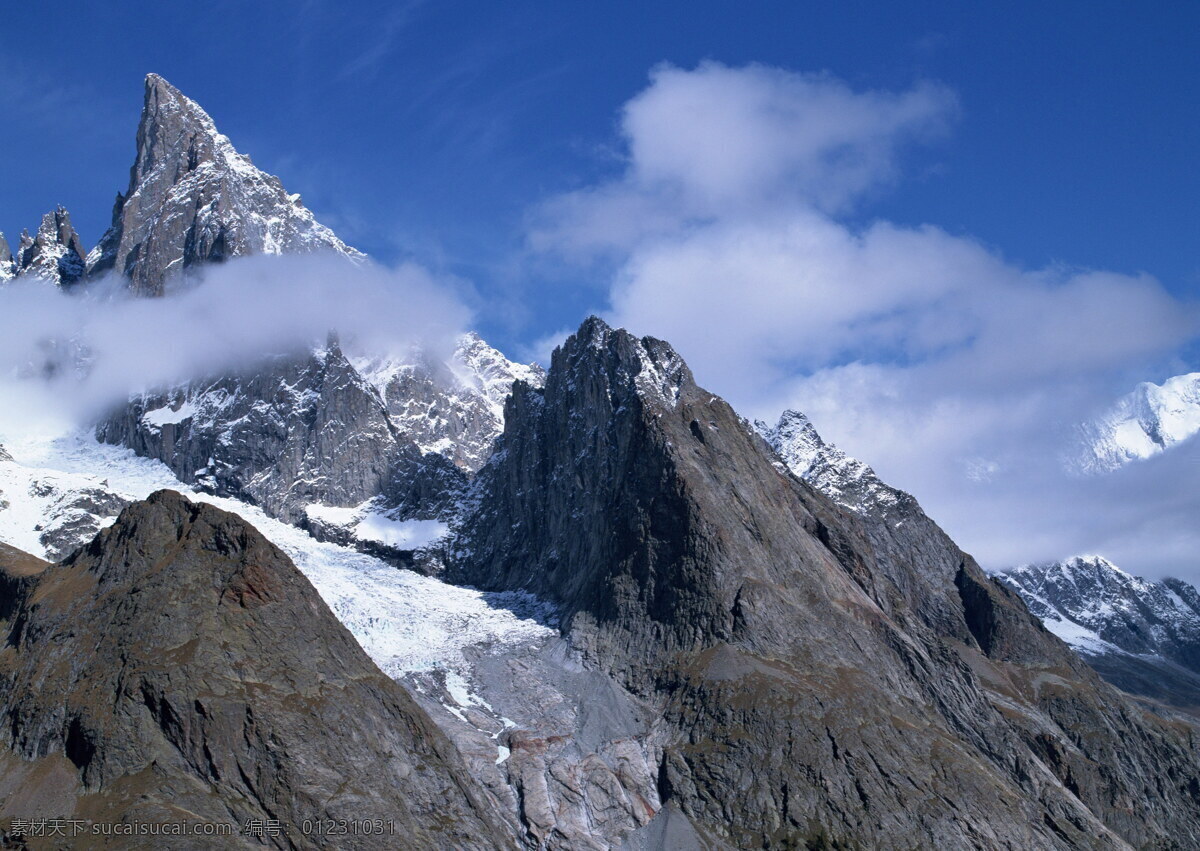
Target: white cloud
column 241, row 311
column 955, row 373
column 717, row 142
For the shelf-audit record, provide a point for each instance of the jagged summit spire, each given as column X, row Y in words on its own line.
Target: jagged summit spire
column 54, row 254
column 192, row 199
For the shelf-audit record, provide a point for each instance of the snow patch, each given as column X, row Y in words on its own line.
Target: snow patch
column 160, row 417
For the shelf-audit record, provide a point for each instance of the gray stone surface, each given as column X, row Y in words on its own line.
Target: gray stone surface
column 580, row 760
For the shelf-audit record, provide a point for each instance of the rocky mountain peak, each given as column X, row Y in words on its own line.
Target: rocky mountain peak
column 55, row 254
column 172, row 124
column 193, row 198
column 648, row 367
column 846, row 480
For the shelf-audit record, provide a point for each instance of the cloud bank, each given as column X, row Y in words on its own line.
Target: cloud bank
column 957, row 374
column 236, row 314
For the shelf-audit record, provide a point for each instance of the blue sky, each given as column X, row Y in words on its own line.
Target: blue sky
column 947, row 231
column 430, row 129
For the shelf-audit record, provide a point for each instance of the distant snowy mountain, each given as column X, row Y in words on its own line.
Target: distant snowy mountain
column 192, row 198
column 454, row 407
column 1147, row 421
column 1144, row 636
column 53, row 255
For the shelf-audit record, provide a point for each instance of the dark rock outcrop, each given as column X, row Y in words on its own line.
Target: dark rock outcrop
column 819, row 680
column 180, row 669
column 193, row 199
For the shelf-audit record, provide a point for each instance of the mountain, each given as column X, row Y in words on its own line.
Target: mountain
column 814, row 680
column 847, row 481
column 352, row 447
column 646, row 625
column 1140, row 636
column 192, row 198
column 558, row 744
column 1143, row 636
column 250, row 702
column 1150, row 420
column 300, row 431
column 54, row 255
column 452, row 407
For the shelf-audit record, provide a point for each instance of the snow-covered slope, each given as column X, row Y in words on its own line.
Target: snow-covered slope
column 406, row 622
column 1147, row 421
column 193, row 198
column 453, row 407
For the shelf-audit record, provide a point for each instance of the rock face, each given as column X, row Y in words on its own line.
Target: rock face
column 1144, row 636
column 1148, row 421
column 249, row 701
column 192, row 198
column 817, row 681
column 300, row 432
column 54, row 255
